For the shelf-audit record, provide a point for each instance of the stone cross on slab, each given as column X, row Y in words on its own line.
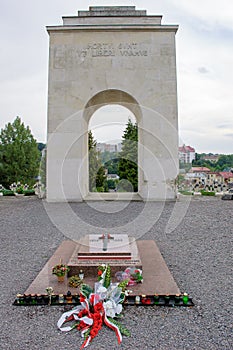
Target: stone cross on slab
column 105, row 237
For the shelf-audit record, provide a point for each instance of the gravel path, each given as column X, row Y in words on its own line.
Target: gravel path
column 198, row 252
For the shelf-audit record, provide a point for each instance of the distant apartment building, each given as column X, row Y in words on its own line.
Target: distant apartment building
column 186, row 154
column 102, row 147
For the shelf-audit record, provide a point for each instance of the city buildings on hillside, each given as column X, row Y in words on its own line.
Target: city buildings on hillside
column 203, row 178
column 227, row 176
column 210, row 157
column 186, row 154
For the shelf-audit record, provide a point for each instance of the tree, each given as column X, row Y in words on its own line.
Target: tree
column 97, row 177
column 128, row 164
column 41, row 146
column 112, row 165
column 225, row 161
column 19, row 154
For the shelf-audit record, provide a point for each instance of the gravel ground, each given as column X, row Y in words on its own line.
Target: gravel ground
column 197, row 249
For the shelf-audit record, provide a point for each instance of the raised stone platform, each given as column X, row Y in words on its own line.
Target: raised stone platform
column 156, row 275
column 119, row 251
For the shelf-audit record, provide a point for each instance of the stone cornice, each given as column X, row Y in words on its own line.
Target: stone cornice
column 144, row 27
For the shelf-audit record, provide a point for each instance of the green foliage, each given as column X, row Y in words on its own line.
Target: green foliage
column 112, row 164
column 128, row 164
column 107, row 279
column 19, row 154
column 186, row 166
column 207, row 193
column 96, row 170
column 225, row 161
column 20, row 190
column 105, row 185
column 75, row 281
column 112, row 184
column 8, row 193
column 42, row 170
column 29, row 192
column 87, row 333
column 186, row 193
column 85, row 290
column 125, row 186
column 123, row 284
column 41, row 146
column 122, row 328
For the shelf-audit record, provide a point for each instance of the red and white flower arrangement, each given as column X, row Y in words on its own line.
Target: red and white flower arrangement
column 98, row 307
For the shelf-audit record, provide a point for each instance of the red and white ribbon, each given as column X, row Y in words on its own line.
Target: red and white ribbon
column 74, row 312
column 113, row 327
column 88, row 320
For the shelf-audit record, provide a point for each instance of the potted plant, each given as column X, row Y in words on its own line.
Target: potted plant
column 60, row 270
column 19, row 191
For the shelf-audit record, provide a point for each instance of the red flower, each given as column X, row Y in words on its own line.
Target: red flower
column 94, row 331
column 81, row 325
column 92, row 299
column 97, row 317
column 82, row 298
column 82, row 313
column 100, row 273
column 70, row 318
column 98, row 307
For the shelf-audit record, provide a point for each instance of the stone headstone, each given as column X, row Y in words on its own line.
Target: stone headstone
column 105, row 246
column 118, row 250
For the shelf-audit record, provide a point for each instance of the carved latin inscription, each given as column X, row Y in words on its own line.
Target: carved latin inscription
column 71, row 54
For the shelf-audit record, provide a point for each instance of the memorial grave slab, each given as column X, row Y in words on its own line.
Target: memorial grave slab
column 157, row 278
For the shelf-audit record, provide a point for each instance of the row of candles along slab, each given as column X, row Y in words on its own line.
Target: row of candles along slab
column 57, row 299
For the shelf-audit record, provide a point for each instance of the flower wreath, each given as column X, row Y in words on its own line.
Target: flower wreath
column 98, row 307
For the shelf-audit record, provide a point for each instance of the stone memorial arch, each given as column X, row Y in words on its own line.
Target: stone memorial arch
column 112, row 55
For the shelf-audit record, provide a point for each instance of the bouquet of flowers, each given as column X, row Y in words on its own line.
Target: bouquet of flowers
column 98, row 307
column 131, row 274
column 60, row 269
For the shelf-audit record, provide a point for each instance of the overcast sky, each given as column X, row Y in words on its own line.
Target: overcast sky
column 204, row 63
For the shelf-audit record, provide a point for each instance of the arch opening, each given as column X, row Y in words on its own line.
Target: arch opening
column 110, row 115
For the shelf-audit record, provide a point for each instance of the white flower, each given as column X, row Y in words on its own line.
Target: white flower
column 111, row 308
column 101, row 289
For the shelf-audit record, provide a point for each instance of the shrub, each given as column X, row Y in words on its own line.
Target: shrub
column 207, row 193
column 29, row 192
column 7, row 193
